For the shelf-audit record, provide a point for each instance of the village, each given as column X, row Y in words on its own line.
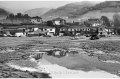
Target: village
column 35, row 26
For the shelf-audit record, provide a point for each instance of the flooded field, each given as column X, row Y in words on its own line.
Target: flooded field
column 82, row 54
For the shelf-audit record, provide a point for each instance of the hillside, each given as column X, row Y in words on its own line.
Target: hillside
column 37, row 11
column 82, row 10
column 3, row 13
column 97, row 14
column 107, row 8
column 66, row 10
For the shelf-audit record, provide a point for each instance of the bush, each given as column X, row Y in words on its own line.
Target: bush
column 118, row 31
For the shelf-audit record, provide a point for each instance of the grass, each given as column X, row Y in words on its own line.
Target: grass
column 107, row 46
column 24, row 63
column 26, row 43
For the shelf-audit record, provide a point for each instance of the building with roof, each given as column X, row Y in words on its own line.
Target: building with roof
column 75, row 29
column 94, row 22
column 36, row 20
column 39, row 30
column 59, row 21
column 50, row 30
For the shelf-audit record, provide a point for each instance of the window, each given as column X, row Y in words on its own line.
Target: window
column 38, row 20
column 50, row 29
column 63, row 29
column 41, row 29
column 100, row 28
column 69, row 29
column 72, row 29
column 88, row 29
column 83, row 29
column 77, row 29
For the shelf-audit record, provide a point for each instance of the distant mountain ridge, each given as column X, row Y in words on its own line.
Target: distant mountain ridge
column 77, row 10
column 36, row 11
column 101, row 6
column 107, row 8
column 67, row 10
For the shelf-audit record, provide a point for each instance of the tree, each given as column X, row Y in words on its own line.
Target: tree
column 105, row 21
column 116, row 19
column 19, row 15
column 26, row 16
column 11, row 17
column 49, row 23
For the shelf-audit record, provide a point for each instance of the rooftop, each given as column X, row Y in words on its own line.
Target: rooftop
column 58, row 19
column 36, row 17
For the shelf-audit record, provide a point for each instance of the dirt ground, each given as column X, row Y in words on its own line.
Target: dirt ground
column 19, row 48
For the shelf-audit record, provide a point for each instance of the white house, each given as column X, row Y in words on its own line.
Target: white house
column 49, row 30
column 20, row 34
column 59, row 21
column 35, row 29
column 36, row 20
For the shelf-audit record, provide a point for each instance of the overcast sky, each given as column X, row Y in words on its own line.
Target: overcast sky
column 21, row 6
column 32, row 4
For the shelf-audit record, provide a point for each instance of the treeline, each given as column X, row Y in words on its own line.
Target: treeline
column 18, row 19
column 18, row 16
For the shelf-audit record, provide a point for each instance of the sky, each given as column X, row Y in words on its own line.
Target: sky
column 23, row 5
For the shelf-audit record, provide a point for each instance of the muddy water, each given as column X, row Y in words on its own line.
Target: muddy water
column 57, row 71
column 85, row 63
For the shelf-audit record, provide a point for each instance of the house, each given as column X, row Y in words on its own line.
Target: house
column 50, row 30
column 29, row 28
column 59, row 21
column 1, row 30
column 94, row 22
column 74, row 30
column 20, row 34
column 38, row 30
column 110, row 30
column 104, row 30
column 36, row 20
column 13, row 30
